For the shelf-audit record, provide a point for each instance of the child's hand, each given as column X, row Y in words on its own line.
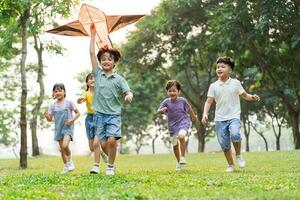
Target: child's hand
column 255, row 97
column 204, row 119
column 128, row 97
column 93, row 29
column 69, row 122
column 80, row 100
column 194, row 117
column 163, row 109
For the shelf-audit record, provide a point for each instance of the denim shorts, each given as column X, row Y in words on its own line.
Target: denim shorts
column 90, row 126
column 227, row 131
column 107, row 126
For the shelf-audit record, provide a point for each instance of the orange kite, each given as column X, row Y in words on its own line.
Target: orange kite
column 105, row 24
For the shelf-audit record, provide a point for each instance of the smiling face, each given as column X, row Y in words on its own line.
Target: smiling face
column 59, row 94
column 107, row 62
column 90, row 81
column 173, row 92
column 223, row 71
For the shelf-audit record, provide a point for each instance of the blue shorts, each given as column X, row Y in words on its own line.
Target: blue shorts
column 107, row 126
column 90, row 126
column 227, row 131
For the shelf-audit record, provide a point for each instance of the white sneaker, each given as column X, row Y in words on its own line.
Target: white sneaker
column 65, row 169
column 178, row 167
column 103, row 156
column 95, row 169
column 70, row 165
column 241, row 162
column 230, row 168
column 110, row 171
column 182, row 161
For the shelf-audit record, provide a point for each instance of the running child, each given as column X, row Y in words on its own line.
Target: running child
column 226, row 92
column 93, row 139
column 179, row 114
column 61, row 112
column 110, row 88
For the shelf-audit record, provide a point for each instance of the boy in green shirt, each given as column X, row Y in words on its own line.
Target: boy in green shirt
column 109, row 89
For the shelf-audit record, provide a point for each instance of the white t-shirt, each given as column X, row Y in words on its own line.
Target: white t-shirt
column 227, row 97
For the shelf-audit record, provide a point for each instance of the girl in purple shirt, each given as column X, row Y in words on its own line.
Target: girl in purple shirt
column 178, row 113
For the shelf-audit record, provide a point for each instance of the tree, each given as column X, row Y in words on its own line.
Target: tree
column 21, row 10
column 173, row 44
column 270, row 34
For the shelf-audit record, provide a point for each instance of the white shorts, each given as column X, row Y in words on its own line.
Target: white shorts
column 174, row 138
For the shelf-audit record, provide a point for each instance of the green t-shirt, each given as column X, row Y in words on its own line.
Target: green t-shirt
column 108, row 92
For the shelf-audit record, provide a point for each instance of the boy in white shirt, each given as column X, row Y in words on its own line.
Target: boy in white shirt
column 226, row 91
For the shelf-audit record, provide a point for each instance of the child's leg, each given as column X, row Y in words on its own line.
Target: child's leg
column 181, row 137
column 237, row 147
column 104, row 147
column 176, row 152
column 234, row 129
column 64, row 146
column 112, row 150
column 228, row 156
column 96, row 147
column 91, row 143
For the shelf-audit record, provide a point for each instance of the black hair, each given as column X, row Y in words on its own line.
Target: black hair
column 114, row 53
column 59, row 86
column 226, row 60
column 172, row 83
column 87, row 79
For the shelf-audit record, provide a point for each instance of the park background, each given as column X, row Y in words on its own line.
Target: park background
column 178, row 39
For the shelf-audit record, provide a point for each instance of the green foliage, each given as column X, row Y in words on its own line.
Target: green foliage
column 273, row 175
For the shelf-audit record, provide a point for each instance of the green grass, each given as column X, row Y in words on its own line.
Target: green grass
column 273, row 175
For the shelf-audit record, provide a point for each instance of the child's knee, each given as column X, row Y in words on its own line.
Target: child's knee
column 236, row 137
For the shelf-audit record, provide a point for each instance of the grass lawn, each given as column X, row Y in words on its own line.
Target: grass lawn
column 273, row 175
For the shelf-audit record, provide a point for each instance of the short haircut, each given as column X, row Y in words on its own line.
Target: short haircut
column 172, row 83
column 59, row 86
column 226, row 60
column 114, row 53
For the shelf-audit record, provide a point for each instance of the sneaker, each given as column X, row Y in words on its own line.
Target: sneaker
column 95, row 169
column 182, row 161
column 70, row 165
column 65, row 169
column 178, row 167
column 230, row 168
column 104, row 156
column 110, row 171
column 241, row 162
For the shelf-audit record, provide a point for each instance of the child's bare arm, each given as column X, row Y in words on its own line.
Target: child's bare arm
column 71, row 121
column 92, row 46
column 192, row 114
column 250, row 97
column 80, row 100
column 207, row 106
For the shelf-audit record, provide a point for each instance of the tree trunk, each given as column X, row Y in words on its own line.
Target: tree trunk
column 277, row 143
column 23, row 120
column 36, row 109
column 201, row 137
column 246, row 126
column 295, row 128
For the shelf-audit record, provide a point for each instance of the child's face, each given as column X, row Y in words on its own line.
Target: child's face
column 223, row 71
column 91, row 81
column 173, row 92
column 107, row 62
column 59, row 94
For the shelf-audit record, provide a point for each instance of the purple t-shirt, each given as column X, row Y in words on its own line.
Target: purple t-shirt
column 178, row 114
